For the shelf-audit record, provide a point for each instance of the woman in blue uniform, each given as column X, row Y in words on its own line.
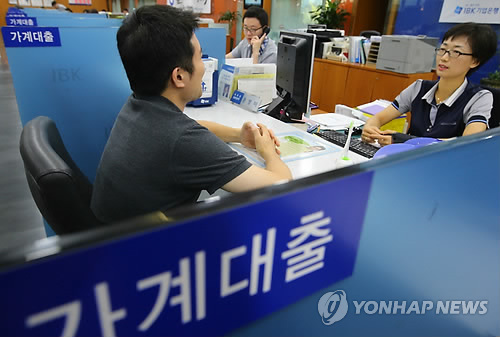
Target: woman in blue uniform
column 451, row 106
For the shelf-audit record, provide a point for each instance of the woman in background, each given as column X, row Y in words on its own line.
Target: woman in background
column 451, row 106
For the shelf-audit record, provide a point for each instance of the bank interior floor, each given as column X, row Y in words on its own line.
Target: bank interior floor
column 21, row 221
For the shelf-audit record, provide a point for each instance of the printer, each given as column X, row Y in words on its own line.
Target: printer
column 407, row 54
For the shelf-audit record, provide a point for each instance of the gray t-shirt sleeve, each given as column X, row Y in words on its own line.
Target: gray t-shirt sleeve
column 204, row 161
column 403, row 102
column 478, row 109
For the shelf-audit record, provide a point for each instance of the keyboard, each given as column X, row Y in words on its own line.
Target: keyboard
column 356, row 145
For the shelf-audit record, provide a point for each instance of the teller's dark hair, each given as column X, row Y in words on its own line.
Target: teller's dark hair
column 481, row 38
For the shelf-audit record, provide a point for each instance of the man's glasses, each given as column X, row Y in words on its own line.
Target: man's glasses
column 453, row 53
column 251, row 30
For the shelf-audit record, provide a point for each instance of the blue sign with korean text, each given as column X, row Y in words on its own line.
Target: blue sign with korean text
column 237, row 97
column 480, row 11
column 16, row 14
column 31, row 36
column 205, row 276
column 20, row 21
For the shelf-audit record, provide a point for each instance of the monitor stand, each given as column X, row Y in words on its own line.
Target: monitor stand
column 278, row 107
column 278, row 104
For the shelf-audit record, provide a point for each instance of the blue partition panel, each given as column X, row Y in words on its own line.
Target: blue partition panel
column 431, row 234
column 81, row 85
column 64, row 21
column 185, row 280
column 38, row 12
column 427, row 262
column 213, row 43
column 47, row 11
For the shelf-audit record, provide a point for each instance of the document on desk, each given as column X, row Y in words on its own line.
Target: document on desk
column 374, row 107
column 293, row 146
column 262, row 87
column 335, row 121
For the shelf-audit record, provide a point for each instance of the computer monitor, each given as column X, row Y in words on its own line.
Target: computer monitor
column 293, row 76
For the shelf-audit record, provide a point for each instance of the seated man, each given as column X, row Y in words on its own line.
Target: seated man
column 256, row 45
column 157, row 157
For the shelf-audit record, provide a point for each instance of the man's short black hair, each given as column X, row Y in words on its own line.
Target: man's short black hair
column 54, row 2
column 153, row 41
column 258, row 13
column 482, row 40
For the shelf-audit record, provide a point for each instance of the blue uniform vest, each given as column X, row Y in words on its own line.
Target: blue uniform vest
column 449, row 119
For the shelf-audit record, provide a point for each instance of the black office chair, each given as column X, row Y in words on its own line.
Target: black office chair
column 61, row 191
column 495, row 112
column 369, row 33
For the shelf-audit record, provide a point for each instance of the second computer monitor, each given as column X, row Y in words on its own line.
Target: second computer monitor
column 294, row 72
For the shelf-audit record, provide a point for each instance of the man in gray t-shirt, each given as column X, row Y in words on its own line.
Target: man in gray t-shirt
column 157, row 157
column 256, row 44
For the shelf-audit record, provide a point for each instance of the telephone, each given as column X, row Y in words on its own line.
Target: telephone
column 266, row 31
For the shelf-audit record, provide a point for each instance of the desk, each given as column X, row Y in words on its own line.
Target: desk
column 354, row 84
column 234, row 116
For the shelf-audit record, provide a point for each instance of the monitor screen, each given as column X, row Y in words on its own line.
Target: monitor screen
column 293, row 76
column 249, row 3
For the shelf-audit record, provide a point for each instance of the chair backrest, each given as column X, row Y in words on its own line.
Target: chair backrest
column 61, row 191
column 495, row 112
column 369, row 33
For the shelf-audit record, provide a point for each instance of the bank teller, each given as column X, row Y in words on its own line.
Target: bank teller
column 256, row 44
column 449, row 107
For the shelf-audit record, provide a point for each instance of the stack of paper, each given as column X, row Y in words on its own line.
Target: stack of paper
column 357, row 53
column 256, row 79
column 372, row 108
column 262, row 87
column 354, row 48
column 335, row 121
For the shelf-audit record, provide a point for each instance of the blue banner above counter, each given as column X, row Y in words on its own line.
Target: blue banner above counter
column 188, row 279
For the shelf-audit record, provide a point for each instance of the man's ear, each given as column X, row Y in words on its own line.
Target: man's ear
column 178, row 77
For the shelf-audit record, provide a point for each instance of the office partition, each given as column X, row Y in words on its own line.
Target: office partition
column 81, row 84
column 89, row 21
column 47, row 11
column 38, row 12
column 419, row 232
column 213, row 43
